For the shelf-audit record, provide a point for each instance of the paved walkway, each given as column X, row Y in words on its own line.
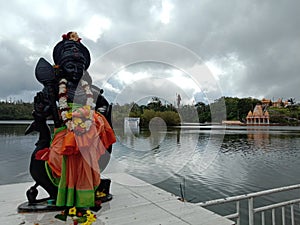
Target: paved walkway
column 134, row 203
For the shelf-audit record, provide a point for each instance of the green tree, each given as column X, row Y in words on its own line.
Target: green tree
column 147, row 116
column 203, row 110
column 244, row 106
column 16, row 111
column 218, row 110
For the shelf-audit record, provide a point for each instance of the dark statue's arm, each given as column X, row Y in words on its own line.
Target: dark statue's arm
column 45, row 74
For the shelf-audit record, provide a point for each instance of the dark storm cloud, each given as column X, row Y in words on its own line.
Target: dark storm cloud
column 255, row 44
column 262, row 35
column 15, row 73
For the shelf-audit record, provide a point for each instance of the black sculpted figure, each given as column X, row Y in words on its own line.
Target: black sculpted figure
column 66, row 163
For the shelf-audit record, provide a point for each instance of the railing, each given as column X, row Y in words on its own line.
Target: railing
column 251, row 210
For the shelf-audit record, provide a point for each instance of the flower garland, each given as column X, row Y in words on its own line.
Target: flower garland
column 77, row 119
column 79, row 216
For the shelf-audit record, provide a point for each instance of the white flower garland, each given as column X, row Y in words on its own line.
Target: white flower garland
column 78, row 124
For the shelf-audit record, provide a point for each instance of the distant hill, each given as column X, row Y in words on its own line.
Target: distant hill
column 16, row 111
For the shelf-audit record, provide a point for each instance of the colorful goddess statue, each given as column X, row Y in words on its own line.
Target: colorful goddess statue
column 66, row 163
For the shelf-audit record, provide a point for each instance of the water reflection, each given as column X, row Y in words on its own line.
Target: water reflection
column 259, row 137
column 131, row 126
column 15, row 151
column 178, row 136
column 155, row 151
column 212, row 164
column 12, row 129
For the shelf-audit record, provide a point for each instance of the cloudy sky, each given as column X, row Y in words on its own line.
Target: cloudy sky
column 142, row 48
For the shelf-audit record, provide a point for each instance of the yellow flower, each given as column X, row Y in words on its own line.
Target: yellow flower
column 100, row 194
column 77, row 121
column 72, row 211
column 91, row 218
column 82, row 125
column 87, row 107
column 86, row 223
column 88, row 212
column 69, row 115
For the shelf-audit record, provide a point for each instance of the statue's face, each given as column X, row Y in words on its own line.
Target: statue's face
column 73, row 70
column 72, row 61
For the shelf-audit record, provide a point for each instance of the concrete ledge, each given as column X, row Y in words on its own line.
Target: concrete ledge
column 135, row 202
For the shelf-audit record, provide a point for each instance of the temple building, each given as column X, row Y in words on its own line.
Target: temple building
column 258, row 117
column 266, row 102
column 279, row 103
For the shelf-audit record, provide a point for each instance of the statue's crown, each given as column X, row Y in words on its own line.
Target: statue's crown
column 70, row 49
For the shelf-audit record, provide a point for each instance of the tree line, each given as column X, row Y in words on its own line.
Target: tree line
column 235, row 109
column 16, row 110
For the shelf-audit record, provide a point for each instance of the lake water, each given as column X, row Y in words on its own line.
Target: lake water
column 202, row 163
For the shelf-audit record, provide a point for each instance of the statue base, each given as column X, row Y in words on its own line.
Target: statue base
column 43, row 206
column 47, row 205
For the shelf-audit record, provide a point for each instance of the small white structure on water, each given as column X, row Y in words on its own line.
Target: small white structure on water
column 131, row 125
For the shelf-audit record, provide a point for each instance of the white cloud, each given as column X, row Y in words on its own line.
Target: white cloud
column 44, row 9
column 110, row 87
column 166, row 10
column 95, row 27
column 184, row 82
column 215, row 69
column 162, row 11
column 126, row 77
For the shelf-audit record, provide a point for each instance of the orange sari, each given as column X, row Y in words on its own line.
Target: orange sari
column 74, row 160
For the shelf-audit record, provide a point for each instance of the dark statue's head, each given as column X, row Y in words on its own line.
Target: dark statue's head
column 71, row 56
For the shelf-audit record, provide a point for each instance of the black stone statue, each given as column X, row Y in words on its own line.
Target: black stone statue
column 72, row 60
